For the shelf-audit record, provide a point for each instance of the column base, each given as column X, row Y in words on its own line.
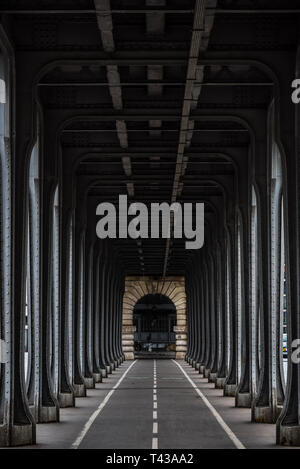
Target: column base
column 89, row 383
column 197, row 366
column 79, row 390
column 66, row 399
column 97, row 377
column 17, row 435
column 109, row 369
column 288, row 435
column 116, row 364
column 103, row 373
column 48, row 414
column 243, row 399
column 212, row 377
column 220, row 382
column 201, row 369
column 264, row 414
column 206, row 372
column 194, row 363
column 229, row 390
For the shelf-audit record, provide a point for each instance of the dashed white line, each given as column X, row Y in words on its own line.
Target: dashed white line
column 95, row 414
column 155, row 424
column 238, row 444
column 154, row 443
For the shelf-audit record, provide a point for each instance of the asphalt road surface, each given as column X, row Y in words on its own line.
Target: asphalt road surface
column 155, row 404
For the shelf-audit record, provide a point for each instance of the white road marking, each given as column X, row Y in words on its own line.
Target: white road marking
column 228, row 431
column 154, row 443
column 155, row 424
column 95, row 414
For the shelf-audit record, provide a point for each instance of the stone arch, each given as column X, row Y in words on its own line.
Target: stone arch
column 138, row 287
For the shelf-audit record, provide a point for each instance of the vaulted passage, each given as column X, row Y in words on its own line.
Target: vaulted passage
column 154, row 317
column 149, row 223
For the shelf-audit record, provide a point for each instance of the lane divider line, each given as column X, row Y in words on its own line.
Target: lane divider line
column 238, row 444
column 155, row 423
column 95, row 414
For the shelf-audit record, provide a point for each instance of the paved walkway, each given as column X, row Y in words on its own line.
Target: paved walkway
column 149, row 404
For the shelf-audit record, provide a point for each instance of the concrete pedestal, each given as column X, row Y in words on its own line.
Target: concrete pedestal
column 212, row 377
column 48, row 414
column 265, row 414
column 220, row 382
column 17, row 435
column 229, row 390
column 97, row 377
column 243, row 400
column 206, row 372
column 288, row 436
column 89, row 383
column 79, row 390
column 66, row 400
column 103, row 372
column 201, row 369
